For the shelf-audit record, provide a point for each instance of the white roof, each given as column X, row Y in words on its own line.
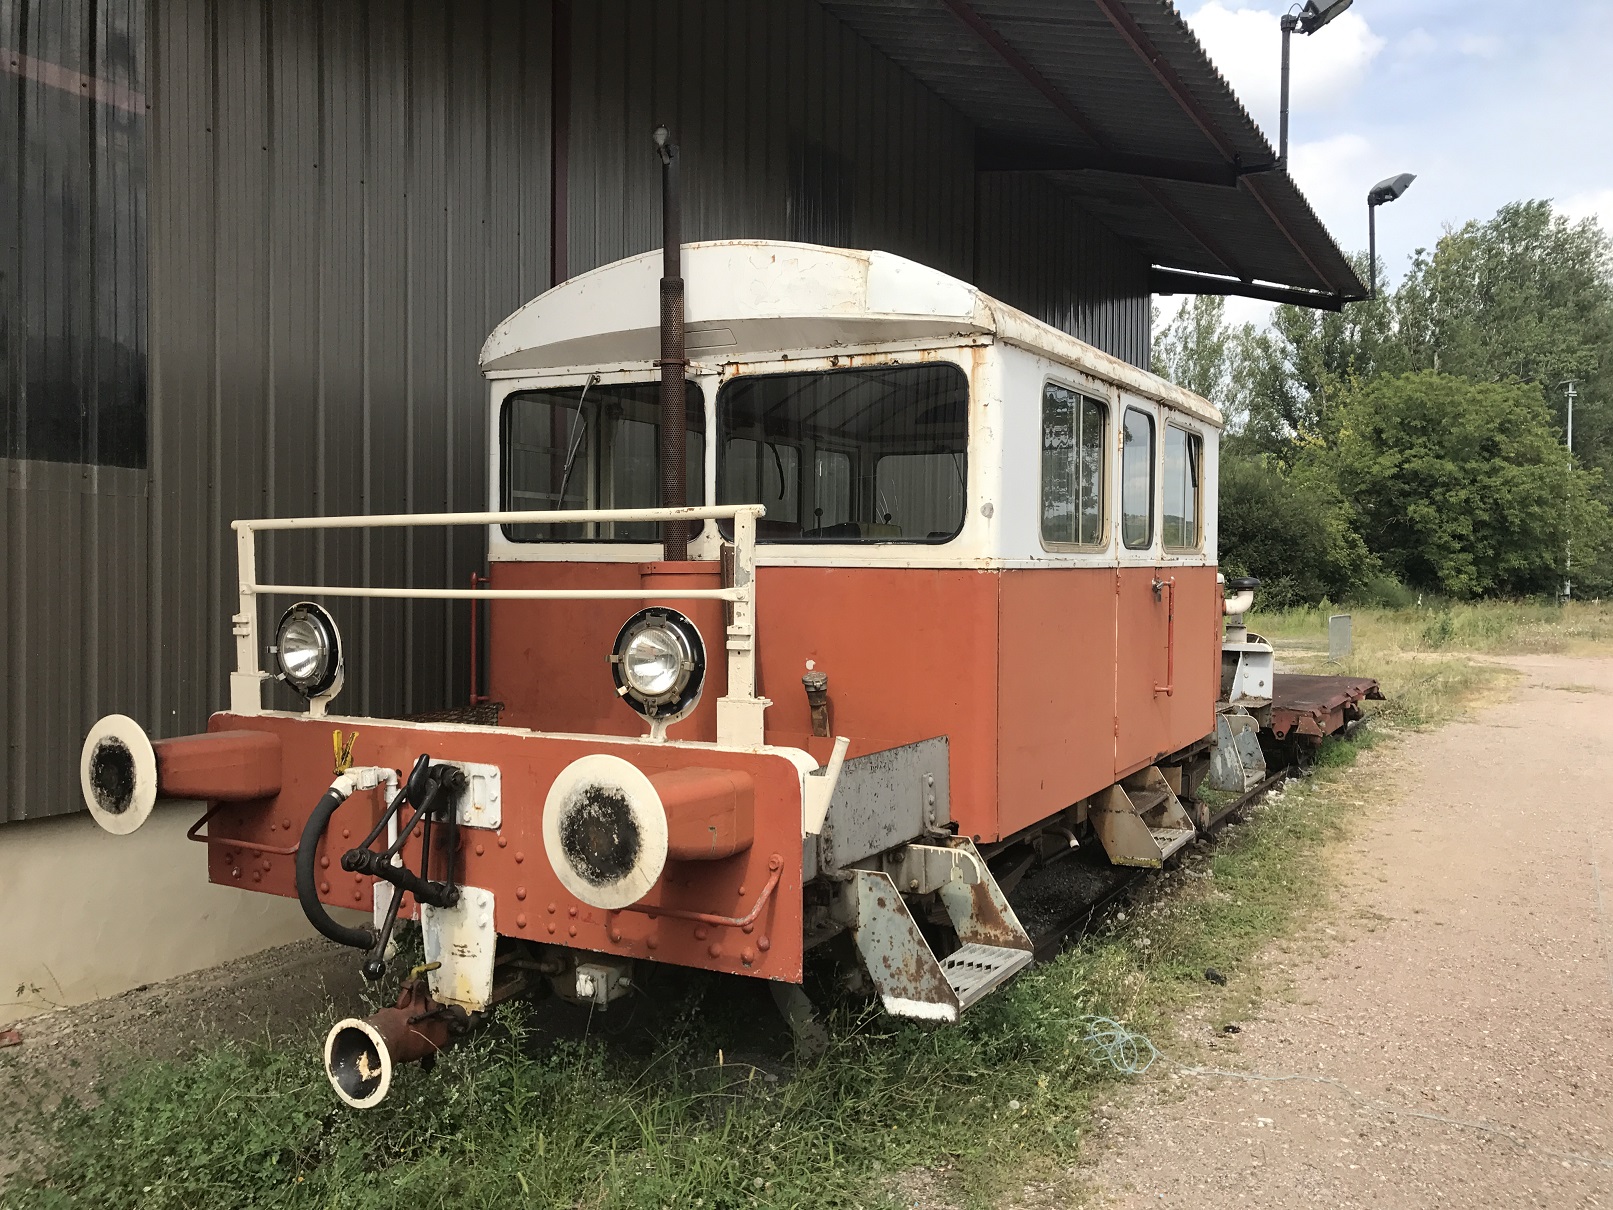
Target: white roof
column 749, row 297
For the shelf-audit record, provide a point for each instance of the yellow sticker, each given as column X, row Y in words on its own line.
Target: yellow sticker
column 344, row 750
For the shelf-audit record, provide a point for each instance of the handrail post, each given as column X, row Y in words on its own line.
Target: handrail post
column 246, row 682
column 739, row 712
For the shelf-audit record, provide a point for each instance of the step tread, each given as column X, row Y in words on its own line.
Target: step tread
column 1171, row 839
column 974, row 970
column 1144, row 801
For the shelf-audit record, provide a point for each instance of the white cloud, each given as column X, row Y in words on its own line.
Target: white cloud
column 1246, row 44
column 1596, row 203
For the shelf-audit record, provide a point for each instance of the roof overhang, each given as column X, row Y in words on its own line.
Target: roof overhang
column 1117, row 103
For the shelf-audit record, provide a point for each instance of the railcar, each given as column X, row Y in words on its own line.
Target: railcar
column 932, row 599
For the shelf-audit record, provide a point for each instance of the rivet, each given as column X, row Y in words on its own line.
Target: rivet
column 747, row 955
column 267, row 867
column 236, row 872
column 520, row 892
column 257, row 876
column 748, row 928
column 520, row 922
column 572, row 930
column 929, row 779
column 357, row 895
column 652, row 943
column 358, row 877
column 930, row 798
column 573, row 911
column 913, row 884
column 346, row 832
column 741, row 892
column 324, row 863
column 503, row 840
column 286, row 824
column 551, row 908
column 763, row 944
column 551, row 926
column 324, row 888
column 701, row 933
column 615, row 935
column 714, row 950
column 519, row 857
column 483, row 920
column 479, row 849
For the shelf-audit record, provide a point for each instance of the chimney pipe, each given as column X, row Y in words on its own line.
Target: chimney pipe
column 673, row 363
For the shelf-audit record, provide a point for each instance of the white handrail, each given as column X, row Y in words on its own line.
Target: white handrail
column 576, row 516
column 739, row 714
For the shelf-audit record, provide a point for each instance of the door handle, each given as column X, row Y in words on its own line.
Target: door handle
column 1166, row 590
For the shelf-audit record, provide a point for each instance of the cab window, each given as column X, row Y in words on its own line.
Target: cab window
column 864, row 454
column 592, row 447
column 1137, row 480
column 1074, row 431
column 1183, row 464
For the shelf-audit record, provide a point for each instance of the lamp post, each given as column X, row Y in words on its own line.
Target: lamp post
column 1568, row 552
column 1386, row 190
column 1307, row 21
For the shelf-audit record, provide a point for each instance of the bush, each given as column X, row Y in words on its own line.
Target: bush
column 1290, row 529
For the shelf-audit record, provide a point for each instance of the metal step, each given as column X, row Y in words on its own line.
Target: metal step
column 974, row 970
column 1144, row 801
column 1171, row 839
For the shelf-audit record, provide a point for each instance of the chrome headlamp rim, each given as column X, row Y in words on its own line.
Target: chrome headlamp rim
column 680, row 697
column 327, row 670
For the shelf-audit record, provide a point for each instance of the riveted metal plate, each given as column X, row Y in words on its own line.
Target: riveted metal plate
column 481, row 803
column 885, row 799
column 462, row 940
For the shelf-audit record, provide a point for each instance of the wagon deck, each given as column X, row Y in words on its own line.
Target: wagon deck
column 1318, row 706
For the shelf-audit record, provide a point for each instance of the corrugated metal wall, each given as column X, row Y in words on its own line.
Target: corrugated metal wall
column 344, row 198
column 72, row 385
column 1040, row 251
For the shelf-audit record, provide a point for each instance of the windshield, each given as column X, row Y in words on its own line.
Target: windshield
column 872, row 454
column 592, row 447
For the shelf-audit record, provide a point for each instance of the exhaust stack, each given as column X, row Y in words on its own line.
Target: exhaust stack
column 673, row 363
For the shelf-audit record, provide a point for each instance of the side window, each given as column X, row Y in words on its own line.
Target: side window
column 1074, row 430
column 1137, row 480
column 1183, row 460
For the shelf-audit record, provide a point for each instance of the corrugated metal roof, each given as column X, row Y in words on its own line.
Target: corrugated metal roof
column 1117, row 102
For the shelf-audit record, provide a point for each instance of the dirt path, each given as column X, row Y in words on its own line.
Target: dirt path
column 1467, row 976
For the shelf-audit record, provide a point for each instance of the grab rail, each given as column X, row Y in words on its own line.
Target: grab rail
column 739, row 714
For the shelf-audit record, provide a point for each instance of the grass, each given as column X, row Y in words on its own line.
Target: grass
column 512, row 1119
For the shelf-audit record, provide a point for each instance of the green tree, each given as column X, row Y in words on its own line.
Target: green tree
column 1193, row 349
column 1462, row 487
column 1525, row 295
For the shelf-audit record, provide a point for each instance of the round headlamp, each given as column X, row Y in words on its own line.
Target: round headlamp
column 308, row 649
column 659, row 664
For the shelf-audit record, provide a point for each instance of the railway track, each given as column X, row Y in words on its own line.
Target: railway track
column 1043, row 899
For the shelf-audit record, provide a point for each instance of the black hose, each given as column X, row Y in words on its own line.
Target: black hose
column 307, row 883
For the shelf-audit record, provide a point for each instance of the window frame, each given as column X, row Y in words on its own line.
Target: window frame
column 1105, row 514
column 1154, row 452
column 1192, row 435
column 808, row 450
column 603, row 450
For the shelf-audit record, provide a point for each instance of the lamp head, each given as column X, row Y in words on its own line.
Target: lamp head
column 1388, row 189
column 1313, row 16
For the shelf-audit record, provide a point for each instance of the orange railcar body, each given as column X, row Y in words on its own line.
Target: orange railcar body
column 1016, row 667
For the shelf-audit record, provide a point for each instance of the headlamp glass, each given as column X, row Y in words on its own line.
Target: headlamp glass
column 307, row 649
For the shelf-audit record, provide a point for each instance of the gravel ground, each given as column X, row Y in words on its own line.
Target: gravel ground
column 1450, row 1040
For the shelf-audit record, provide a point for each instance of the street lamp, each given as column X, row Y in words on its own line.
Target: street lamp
column 1307, row 21
column 1386, row 190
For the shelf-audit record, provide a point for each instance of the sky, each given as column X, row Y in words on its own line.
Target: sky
column 1487, row 101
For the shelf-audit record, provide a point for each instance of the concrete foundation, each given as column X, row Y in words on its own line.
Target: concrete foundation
column 84, row 914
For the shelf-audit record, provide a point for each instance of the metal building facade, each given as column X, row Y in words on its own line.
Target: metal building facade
column 296, row 222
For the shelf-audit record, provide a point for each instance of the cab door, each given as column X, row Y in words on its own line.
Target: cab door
column 1144, row 598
